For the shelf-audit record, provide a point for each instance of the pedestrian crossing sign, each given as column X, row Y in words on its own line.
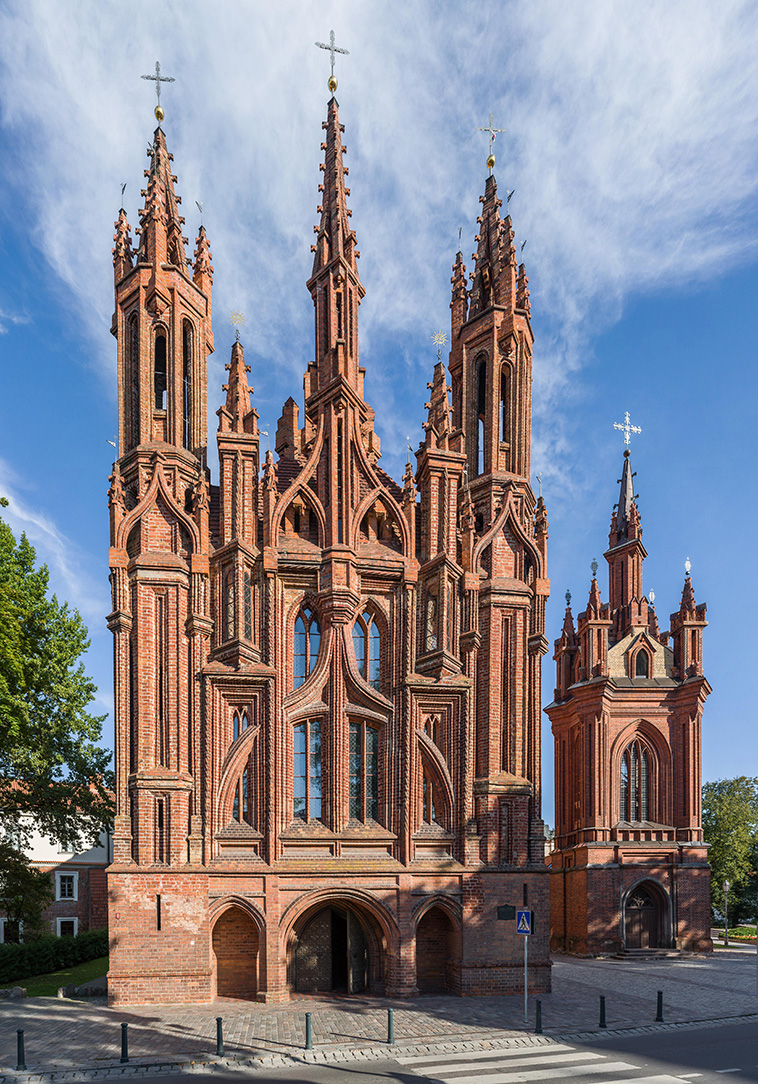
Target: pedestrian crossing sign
column 524, row 922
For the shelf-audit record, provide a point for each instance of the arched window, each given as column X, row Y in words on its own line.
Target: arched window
column 367, row 642
column 431, row 622
column 641, row 664
column 364, row 772
column 428, row 812
column 431, row 729
column 248, row 605
column 634, row 802
column 307, row 770
column 227, row 603
column 240, row 723
column 241, row 805
column 160, row 372
column 134, row 430
column 187, row 383
column 505, row 394
column 306, row 646
column 481, row 410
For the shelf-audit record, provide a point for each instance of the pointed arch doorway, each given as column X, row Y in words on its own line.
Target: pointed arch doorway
column 331, row 954
column 643, row 917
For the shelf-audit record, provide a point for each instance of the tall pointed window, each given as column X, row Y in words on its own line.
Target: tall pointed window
column 187, row 384
column 505, row 383
column 363, row 772
column 248, row 604
column 227, row 605
column 367, row 642
column 306, row 646
column 635, row 783
column 481, row 411
column 160, row 372
column 428, row 811
column 134, row 374
column 307, row 770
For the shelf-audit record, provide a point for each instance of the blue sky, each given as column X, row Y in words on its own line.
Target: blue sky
column 631, row 146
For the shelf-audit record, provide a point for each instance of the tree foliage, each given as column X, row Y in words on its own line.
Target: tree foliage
column 730, row 826
column 53, row 775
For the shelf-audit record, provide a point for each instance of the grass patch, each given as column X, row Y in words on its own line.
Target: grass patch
column 47, row 985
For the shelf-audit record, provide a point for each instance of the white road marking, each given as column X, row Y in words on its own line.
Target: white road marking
column 488, row 1055
column 438, row 1069
column 727, row 1070
column 548, row 1074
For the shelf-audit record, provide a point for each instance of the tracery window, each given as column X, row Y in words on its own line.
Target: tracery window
column 367, row 642
column 635, row 783
column 364, row 772
column 307, row 770
column 306, row 646
column 240, row 723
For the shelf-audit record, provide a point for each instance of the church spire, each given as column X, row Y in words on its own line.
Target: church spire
column 494, row 275
column 241, row 419
column 122, row 251
column 160, row 230
column 335, row 285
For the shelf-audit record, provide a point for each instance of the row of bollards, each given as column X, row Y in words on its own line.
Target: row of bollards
column 21, row 1057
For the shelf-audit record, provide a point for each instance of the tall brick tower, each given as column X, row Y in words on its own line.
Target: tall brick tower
column 327, row 684
column 629, row 867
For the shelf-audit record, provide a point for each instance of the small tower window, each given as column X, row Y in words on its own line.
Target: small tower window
column 228, row 617
column 187, row 383
column 367, row 642
column 160, row 372
column 134, row 429
column 248, row 602
column 641, row 664
column 306, row 646
column 481, row 409
column 505, row 384
column 429, row 813
column 431, row 622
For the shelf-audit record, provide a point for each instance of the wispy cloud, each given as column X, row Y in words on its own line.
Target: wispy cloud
column 8, row 319
column 630, row 144
column 68, row 565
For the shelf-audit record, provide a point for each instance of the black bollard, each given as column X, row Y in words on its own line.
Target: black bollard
column 538, row 1021
column 308, row 1032
column 219, row 1037
column 124, row 1044
column 602, row 1012
column 659, row 1009
column 20, row 1056
column 390, row 1027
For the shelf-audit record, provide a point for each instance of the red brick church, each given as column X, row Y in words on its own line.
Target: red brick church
column 327, row 682
column 629, row 868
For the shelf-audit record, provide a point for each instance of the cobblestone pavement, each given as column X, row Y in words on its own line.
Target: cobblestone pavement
column 62, row 1034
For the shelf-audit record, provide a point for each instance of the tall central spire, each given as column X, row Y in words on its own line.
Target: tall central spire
column 335, row 285
column 161, row 238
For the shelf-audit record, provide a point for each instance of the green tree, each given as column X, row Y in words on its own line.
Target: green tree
column 53, row 775
column 730, row 826
column 24, row 893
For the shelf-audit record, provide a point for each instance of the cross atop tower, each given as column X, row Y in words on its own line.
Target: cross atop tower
column 158, row 79
column 627, row 428
column 332, row 49
column 493, row 133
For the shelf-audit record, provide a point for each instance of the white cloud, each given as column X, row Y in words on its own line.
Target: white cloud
column 630, row 144
column 8, row 318
column 68, row 565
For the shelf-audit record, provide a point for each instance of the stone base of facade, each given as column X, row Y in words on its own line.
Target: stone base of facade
column 262, row 934
column 606, row 898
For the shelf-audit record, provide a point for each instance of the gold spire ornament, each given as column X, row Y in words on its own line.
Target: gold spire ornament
column 158, row 79
column 332, row 49
column 237, row 320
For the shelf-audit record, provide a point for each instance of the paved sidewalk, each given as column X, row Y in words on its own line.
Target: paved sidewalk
column 70, row 1035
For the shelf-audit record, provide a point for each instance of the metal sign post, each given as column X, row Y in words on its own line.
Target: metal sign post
column 524, row 927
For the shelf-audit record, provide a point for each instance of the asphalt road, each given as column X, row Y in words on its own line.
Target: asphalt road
column 706, row 1056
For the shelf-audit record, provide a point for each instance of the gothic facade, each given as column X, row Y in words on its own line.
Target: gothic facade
column 629, row 868
column 327, row 683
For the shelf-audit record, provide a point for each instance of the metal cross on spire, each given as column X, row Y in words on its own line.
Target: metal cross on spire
column 627, row 428
column 493, row 133
column 158, row 79
column 332, row 49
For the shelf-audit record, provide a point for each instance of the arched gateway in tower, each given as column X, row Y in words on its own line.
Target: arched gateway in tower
column 327, row 683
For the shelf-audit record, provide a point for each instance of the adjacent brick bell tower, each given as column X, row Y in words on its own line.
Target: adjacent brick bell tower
column 327, row 684
column 629, row 867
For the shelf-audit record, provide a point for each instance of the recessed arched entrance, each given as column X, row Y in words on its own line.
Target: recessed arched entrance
column 235, row 946
column 437, row 949
column 644, row 917
column 335, row 949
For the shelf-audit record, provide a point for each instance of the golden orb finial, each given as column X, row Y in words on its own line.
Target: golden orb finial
column 332, row 84
column 158, row 114
column 491, row 161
